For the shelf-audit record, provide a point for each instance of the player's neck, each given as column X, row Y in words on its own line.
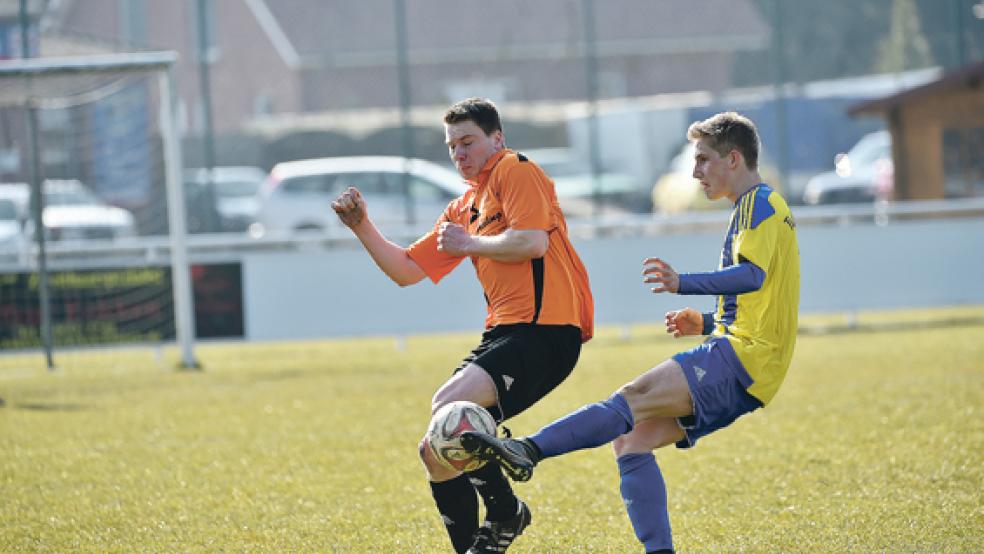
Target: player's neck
column 742, row 185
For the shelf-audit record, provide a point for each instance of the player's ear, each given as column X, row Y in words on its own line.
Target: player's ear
column 498, row 138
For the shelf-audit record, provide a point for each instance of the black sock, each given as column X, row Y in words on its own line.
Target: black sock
column 500, row 502
column 458, row 505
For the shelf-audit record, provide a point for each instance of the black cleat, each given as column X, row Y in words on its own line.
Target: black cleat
column 515, row 457
column 496, row 536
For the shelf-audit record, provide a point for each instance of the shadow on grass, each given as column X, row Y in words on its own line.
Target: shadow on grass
column 50, row 407
column 889, row 326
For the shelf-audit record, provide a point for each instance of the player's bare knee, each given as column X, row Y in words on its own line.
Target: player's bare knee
column 443, row 395
column 619, row 444
column 633, row 443
column 423, row 450
column 634, row 390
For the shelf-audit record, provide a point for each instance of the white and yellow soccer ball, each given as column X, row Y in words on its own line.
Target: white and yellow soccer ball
column 446, row 427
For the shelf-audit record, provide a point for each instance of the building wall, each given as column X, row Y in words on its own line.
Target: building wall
column 433, row 84
column 245, row 64
column 921, row 125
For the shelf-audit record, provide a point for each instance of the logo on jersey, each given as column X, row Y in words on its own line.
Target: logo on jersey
column 488, row 221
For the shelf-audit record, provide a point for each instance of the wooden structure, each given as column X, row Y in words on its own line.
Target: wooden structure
column 917, row 119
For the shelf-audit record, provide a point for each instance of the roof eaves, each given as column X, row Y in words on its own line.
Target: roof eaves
column 278, row 38
column 969, row 76
column 527, row 52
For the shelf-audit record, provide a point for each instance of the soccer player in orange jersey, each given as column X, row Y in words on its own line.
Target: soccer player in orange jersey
column 540, row 308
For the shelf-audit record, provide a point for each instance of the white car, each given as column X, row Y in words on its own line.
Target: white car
column 73, row 212
column 11, row 229
column 297, row 195
column 235, row 189
column 863, row 174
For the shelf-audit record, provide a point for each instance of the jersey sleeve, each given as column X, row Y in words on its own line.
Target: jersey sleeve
column 526, row 200
column 424, row 252
column 758, row 232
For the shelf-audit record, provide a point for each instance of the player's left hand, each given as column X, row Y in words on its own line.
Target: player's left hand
column 453, row 239
column 686, row 321
column 655, row 270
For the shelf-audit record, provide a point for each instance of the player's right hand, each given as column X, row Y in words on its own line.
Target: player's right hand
column 350, row 207
column 687, row 321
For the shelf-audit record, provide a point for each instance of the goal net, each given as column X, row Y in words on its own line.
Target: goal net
column 93, row 265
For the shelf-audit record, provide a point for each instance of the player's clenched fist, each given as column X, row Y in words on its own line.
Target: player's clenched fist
column 350, row 207
column 687, row 321
column 453, row 239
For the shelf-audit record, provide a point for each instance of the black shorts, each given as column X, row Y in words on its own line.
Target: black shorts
column 526, row 362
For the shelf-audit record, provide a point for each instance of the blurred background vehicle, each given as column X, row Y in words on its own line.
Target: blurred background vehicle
column 863, row 174
column 297, row 195
column 11, row 228
column 575, row 185
column 73, row 212
column 19, row 194
column 676, row 191
column 232, row 203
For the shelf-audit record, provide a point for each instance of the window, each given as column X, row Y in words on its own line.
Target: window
column 310, row 184
column 423, row 189
column 370, row 183
column 133, row 22
column 203, row 12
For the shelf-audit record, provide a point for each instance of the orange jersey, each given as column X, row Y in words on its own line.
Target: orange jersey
column 512, row 192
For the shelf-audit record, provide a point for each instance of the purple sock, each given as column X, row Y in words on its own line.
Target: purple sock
column 591, row 426
column 644, row 494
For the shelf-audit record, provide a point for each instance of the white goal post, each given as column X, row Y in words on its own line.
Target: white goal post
column 35, row 83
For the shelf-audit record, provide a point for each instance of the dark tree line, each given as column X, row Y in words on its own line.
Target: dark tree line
column 842, row 38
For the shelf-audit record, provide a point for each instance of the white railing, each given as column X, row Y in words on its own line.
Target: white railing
column 228, row 246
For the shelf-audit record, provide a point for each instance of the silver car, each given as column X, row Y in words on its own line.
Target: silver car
column 73, row 212
column 297, row 195
column 863, row 174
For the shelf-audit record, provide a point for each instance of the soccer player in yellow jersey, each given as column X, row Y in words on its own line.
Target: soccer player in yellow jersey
column 736, row 370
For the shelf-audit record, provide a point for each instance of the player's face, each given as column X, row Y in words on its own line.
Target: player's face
column 712, row 170
column 470, row 147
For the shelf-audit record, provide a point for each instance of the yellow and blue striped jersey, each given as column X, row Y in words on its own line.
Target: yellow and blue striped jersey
column 761, row 325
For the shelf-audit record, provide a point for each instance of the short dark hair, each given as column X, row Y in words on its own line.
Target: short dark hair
column 727, row 131
column 480, row 111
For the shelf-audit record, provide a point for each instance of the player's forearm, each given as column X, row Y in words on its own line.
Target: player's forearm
column 391, row 258
column 511, row 246
column 737, row 279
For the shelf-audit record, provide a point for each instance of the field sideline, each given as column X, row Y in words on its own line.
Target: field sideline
column 874, row 444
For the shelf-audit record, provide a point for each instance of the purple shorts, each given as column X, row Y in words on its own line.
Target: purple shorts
column 718, row 383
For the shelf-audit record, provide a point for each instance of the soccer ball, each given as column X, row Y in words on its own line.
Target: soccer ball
column 447, row 425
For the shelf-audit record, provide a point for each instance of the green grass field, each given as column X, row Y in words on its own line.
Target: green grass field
column 874, row 444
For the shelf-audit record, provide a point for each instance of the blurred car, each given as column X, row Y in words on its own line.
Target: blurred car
column 297, row 195
column 677, row 191
column 11, row 228
column 20, row 195
column 575, row 184
column 73, row 212
column 864, row 174
column 235, row 204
